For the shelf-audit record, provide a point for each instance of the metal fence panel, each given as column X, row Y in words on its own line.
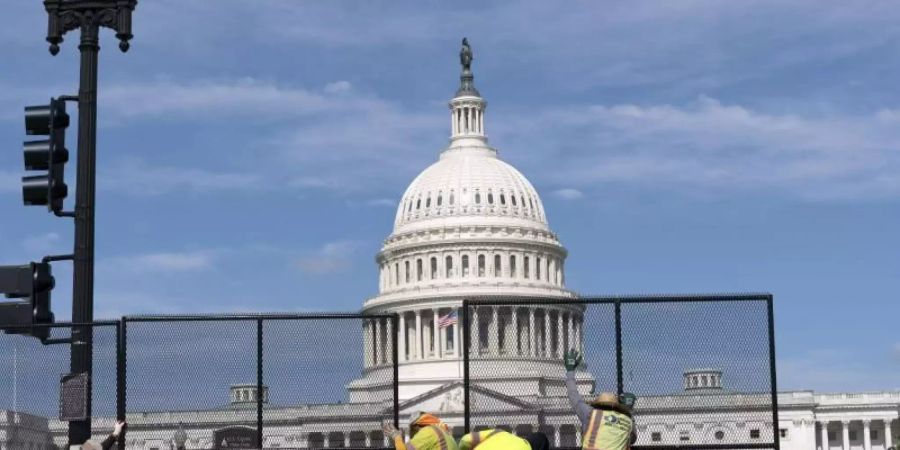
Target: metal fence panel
column 30, row 374
column 701, row 366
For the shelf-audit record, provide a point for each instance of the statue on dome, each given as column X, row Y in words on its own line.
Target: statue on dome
column 465, row 56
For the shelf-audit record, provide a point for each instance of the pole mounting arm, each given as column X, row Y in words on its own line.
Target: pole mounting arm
column 89, row 15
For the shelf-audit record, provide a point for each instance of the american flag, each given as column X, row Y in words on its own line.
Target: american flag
column 447, row 320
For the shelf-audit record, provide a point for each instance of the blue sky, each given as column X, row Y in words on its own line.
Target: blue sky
column 251, row 153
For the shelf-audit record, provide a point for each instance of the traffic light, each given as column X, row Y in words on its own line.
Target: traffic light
column 47, row 154
column 31, row 285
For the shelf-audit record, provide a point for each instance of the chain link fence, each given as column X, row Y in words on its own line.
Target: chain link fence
column 702, row 367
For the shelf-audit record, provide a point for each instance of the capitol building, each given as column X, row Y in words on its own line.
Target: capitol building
column 471, row 225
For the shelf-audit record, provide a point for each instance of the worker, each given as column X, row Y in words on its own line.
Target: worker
column 426, row 431
column 606, row 421
column 492, row 439
column 107, row 443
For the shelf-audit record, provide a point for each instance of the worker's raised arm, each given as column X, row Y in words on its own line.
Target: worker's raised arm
column 572, row 360
column 395, row 435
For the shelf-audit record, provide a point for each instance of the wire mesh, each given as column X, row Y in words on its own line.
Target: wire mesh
column 30, row 375
column 700, row 366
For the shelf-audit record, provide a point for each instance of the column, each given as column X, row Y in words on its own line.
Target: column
column 845, row 434
column 494, row 333
column 570, row 331
column 367, row 327
column 867, row 435
column 379, row 350
column 419, row 348
column 548, row 343
column 559, row 335
column 514, row 344
column 457, row 345
column 402, row 336
column 474, row 332
column 437, row 334
column 327, row 439
column 888, row 439
column 390, row 340
column 531, row 333
column 824, row 432
column 368, row 439
column 556, row 436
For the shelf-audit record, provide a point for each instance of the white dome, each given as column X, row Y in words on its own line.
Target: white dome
column 469, row 186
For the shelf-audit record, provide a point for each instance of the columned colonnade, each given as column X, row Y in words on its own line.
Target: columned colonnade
column 842, row 435
column 511, row 331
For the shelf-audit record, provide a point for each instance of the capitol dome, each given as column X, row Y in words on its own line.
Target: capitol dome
column 470, row 226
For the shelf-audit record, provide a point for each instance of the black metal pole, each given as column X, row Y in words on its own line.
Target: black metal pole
column 260, row 394
column 396, row 351
column 619, row 378
column 87, row 16
column 121, row 374
column 83, row 283
column 466, row 335
column 773, row 375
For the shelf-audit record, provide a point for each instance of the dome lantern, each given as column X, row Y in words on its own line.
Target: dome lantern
column 467, row 107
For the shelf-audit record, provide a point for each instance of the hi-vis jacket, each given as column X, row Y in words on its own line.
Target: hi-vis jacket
column 429, row 438
column 493, row 440
column 601, row 429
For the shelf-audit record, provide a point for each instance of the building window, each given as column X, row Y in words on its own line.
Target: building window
column 719, row 435
column 874, row 434
column 525, row 268
column 396, row 274
column 832, row 435
column 783, row 432
column 502, row 199
column 684, row 436
column 513, row 199
column 451, row 198
column 465, row 265
column 428, row 201
column 754, row 433
column 537, row 268
column 512, row 266
column 490, row 198
column 656, row 436
column 852, row 435
column 434, row 268
column 406, row 263
column 497, row 267
column 418, row 204
column 448, row 265
column 477, row 198
column 481, row 265
column 419, row 269
column 440, row 197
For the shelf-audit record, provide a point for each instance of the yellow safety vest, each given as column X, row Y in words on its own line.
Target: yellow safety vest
column 431, row 438
column 493, row 440
column 608, row 430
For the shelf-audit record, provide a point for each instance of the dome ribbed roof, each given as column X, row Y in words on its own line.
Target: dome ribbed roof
column 469, row 186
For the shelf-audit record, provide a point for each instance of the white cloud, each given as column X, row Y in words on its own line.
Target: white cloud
column 568, row 194
column 338, row 87
column 43, row 243
column 712, row 146
column 330, row 258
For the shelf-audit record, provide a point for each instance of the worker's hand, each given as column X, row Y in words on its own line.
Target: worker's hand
column 120, row 428
column 572, row 360
column 390, row 430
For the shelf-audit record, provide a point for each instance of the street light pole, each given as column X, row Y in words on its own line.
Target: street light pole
column 88, row 16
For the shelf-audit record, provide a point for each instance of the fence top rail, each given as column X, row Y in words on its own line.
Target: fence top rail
column 99, row 323
column 251, row 317
column 612, row 299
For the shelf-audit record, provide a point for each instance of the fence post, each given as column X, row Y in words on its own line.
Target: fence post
column 619, row 379
column 121, row 374
column 467, row 334
column 773, row 373
column 395, row 318
column 259, row 382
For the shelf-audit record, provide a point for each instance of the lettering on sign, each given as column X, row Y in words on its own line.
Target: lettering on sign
column 73, row 397
column 235, row 438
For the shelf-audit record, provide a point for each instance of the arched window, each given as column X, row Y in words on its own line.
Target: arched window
column 513, row 198
column 522, row 199
column 497, row 266
column 440, row 197
column 490, row 198
column 418, row 204
column 481, row 265
column 512, row 266
column 433, row 268
column 451, row 197
column 396, row 274
column 428, row 202
column 406, row 263
column 525, row 268
column 410, row 206
column 465, row 265
column 502, row 199
column 477, row 198
column 419, row 269
column 448, row 267
column 530, row 203
column 537, row 268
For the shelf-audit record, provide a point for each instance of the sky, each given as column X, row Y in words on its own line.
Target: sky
column 251, row 154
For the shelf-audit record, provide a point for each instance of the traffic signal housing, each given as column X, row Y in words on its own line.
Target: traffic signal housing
column 30, row 286
column 48, row 155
